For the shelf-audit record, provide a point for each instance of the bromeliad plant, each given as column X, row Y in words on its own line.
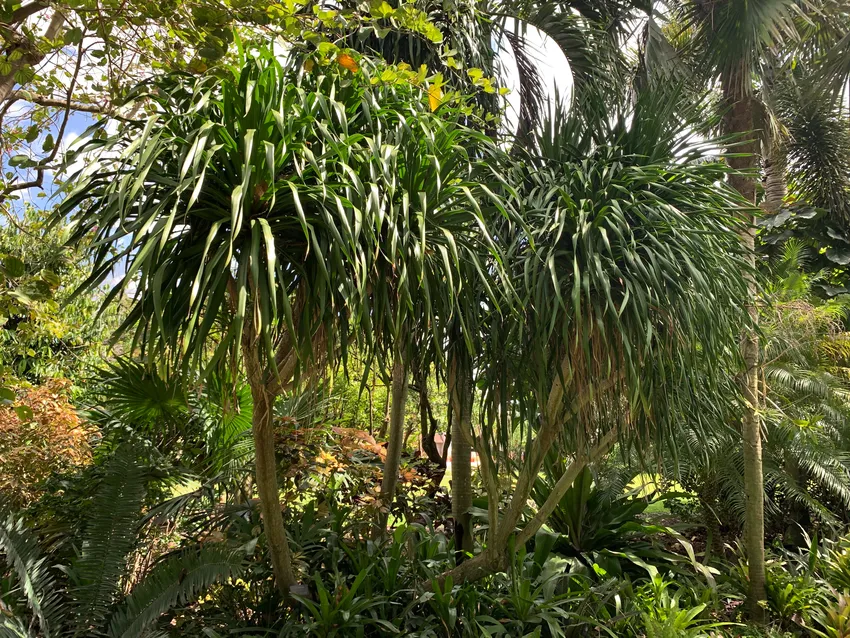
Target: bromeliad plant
column 280, row 212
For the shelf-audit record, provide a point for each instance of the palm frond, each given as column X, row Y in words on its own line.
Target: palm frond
column 731, row 38
column 818, row 148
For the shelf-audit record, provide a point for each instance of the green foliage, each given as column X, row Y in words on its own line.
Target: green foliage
column 668, row 618
column 45, row 333
column 91, row 598
column 337, row 205
column 823, row 245
column 203, row 428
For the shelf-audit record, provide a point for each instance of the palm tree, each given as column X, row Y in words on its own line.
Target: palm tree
column 89, row 596
column 283, row 213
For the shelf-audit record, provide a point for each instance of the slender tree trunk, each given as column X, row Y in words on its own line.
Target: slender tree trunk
column 407, row 434
column 266, row 467
column 460, row 389
column 708, row 505
column 739, row 120
column 371, row 390
column 396, row 433
column 428, row 424
column 775, row 190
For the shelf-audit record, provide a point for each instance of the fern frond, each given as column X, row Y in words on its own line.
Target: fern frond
column 20, row 546
column 175, row 580
column 108, row 538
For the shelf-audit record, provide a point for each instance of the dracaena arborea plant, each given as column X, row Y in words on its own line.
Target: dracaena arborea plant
column 633, row 283
column 286, row 213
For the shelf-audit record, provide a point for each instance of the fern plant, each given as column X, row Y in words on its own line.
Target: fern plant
column 93, row 595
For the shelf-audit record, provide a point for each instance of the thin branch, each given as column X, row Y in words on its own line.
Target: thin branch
column 45, row 100
column 44, row 163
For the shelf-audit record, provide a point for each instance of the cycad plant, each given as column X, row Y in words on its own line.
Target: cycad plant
column 201, row 426
column 88, row 591
column 807, row 351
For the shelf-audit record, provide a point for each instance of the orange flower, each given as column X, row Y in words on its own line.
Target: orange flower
column 348, row 62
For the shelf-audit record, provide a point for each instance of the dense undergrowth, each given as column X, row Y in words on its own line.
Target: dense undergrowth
column 125, row 548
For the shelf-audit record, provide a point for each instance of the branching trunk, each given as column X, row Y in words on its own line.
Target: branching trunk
column 460, row 389
column 739, row 120
column 396, row 433
column 564, row 483
column 552, row 421
column 495, row 558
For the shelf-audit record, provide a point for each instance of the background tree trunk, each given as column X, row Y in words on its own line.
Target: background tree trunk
column 709, row 505
column 396, row 433
column 739, row 120
column 460, row 389
column 428, row 424
column 382, row 433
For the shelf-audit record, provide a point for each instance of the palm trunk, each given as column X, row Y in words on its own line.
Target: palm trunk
column 396, row 434
column 739, row 120
column 460, row 388
column 266, row 467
